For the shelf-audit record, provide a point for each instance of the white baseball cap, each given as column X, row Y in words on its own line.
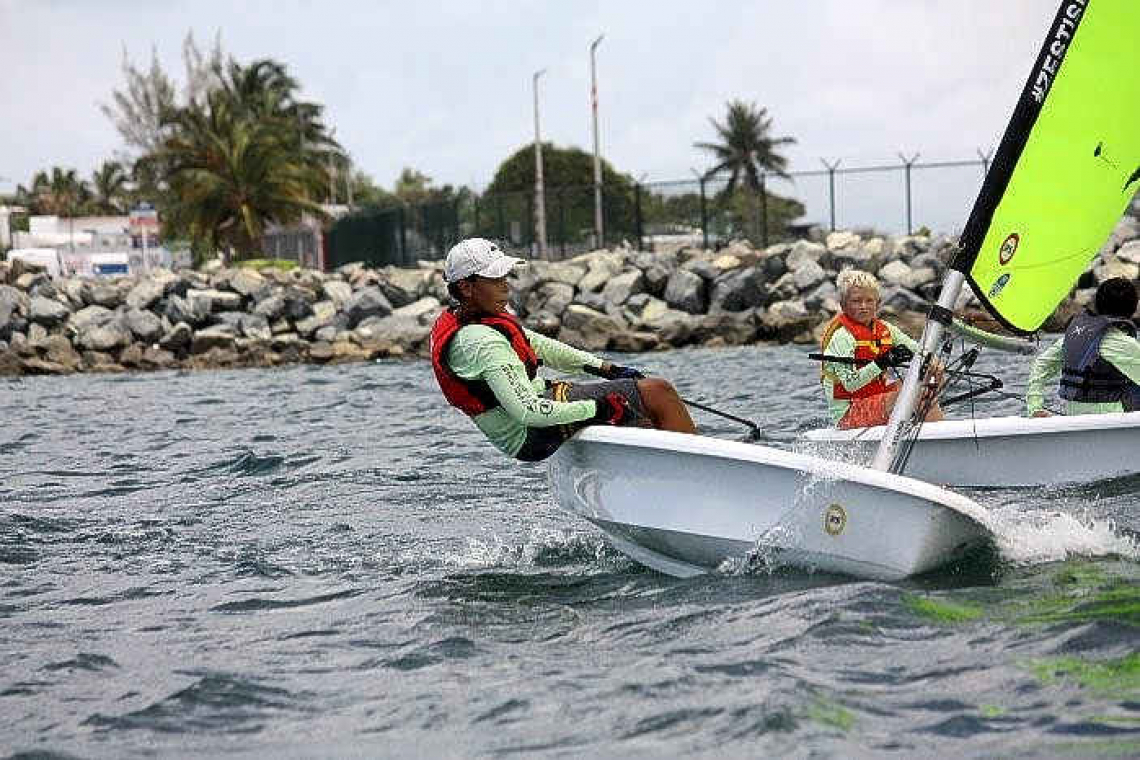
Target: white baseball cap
column 477, row 256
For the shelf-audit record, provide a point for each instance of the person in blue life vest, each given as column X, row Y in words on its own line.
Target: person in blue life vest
column 486, row 364
column 862, row 393
column 1098, row 358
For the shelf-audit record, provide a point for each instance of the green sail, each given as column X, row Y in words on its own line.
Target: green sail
column 1067, row 167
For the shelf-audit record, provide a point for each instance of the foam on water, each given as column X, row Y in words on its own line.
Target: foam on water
column 1032, row 537
column 543, row 548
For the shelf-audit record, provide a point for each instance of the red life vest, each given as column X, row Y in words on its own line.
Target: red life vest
column 870, row 343
column 473, row 397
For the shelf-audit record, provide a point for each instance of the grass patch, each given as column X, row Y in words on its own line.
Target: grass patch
column 991, row 711
column 259, row 264
column 1108, row 748
column 831, row 714
column 941, row 611
column 1116, row 677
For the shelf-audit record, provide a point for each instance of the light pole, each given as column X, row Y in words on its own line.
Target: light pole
column 599, row 231
column 539, row 200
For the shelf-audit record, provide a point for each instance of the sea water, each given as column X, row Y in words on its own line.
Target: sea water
column 328, row 562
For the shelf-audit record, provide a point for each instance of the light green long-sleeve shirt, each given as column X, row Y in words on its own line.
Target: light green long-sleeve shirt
column 1120, row 350
column 852, row 378
column 478, row 352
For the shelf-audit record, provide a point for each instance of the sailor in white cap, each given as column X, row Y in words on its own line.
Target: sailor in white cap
column 487, row 363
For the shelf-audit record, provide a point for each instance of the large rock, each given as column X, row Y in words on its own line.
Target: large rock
column 90, row 316
column 424, row 311
column 551, row 297
column 324, row 313
column 725, row 329
column 807, row 275
column 895, row 273
column 144, row 325
column 47, row 311
column 739, row 291
column 365, row 303
column 144, row 294
column 177, row 339
column 336, row 291
column 249, row 283
column 803, row 251
column 600, row 272
column 1116, row 267
column 191, row 311
column 58, row 350
column 400, row 330
column 624, row 285
column 569, row 274
column 15, row 298
column 273, row 307
column 589, row 329
column 215, row 336
column 784, row 320
column 686, row 291
column 106, row 294
column 843, row 241
column 404, row 286
column 105, row 337
column 1129, row 252
column 210, row 300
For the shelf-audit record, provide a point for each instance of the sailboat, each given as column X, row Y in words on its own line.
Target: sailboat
column 686, row 504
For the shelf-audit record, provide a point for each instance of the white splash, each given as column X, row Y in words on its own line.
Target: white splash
column 1031, row 537
column 542, row 547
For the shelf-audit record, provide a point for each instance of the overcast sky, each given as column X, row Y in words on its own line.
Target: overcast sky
column 446, row 87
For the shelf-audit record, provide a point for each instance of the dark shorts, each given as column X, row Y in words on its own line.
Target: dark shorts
column 542, row 442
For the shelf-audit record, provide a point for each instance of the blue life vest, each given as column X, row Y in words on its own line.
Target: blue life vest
column 1085, row 375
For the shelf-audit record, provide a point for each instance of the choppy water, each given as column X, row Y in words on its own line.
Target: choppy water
column 327, row 562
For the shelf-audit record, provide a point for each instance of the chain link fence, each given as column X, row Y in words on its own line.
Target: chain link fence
column 886, row 198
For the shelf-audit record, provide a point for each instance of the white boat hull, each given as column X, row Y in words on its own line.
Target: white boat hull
column 684, row 504
column 1005, row 451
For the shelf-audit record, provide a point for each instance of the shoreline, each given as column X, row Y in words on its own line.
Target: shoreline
column 619, row 300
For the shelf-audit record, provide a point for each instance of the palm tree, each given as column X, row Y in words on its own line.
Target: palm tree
column 109, row 183
column 245, row 155
column 60, row 193
column 230, row 175
column 746, row 149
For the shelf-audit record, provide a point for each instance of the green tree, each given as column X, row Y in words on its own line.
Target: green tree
column 109, row 189
column 746, row 150
column 137, row 109
column 60, row 192
column 365, row 192
column 247, row 155
column 568, row 176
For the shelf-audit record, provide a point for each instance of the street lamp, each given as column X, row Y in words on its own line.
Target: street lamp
column 599, row 232
column 539, row 201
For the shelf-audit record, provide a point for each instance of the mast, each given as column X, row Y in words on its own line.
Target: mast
column 936, row 322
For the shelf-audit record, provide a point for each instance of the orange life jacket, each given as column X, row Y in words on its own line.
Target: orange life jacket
column 473, row 397
column 870, row 343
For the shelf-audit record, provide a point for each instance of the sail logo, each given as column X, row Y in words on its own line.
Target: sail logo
column 1008, row 248
column 999, row 285
column 1062, row 36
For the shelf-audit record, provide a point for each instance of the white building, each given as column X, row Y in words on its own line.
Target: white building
column 89, row 245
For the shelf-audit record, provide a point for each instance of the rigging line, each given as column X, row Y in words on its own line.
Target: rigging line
column 927, row 401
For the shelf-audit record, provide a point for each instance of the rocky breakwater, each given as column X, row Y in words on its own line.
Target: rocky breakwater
column 639, row 301
column 618, row 300
column 222, row 318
